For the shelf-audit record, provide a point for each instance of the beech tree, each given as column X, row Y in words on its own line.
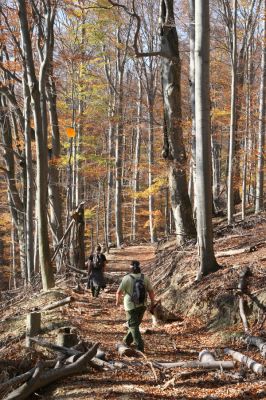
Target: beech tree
column 37, row 84
column 174, row 149
column 207, row 261
column 261, row 132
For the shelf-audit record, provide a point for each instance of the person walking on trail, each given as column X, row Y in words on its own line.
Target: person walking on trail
column 96, row 267
column 135, row 286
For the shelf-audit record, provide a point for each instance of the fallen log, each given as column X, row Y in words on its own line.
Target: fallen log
column 195, row 364
column 55, row 347
column 235, row 252
column 41, row 379
column 258, row 342
column 59, row 303
column 78, row 271
column 71, row 352
column 251, row 364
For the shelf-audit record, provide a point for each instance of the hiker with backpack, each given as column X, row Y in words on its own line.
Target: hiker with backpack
column 135, row 286
column 96, row 267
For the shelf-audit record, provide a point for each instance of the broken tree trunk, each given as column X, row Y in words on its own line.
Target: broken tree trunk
column 59, row 303
column 62, row 239
column 33, row 326
column 241, row 289
column 258, row 342
column 41, row 379
column 123, row 350
column 206, row 356
column 251, row 364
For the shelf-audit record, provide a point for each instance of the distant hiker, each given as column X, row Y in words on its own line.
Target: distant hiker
column 135, row 287
column 96, row 267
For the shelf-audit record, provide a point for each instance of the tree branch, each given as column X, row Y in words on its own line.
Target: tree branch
column 133, row 14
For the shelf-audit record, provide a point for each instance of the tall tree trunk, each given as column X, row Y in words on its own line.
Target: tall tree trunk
column 30, row 183
column 54, row 186
column 216, row 168
column 246, row 137
column 136, row 160
column 118, row 164
column 207, row 261
column 230, row 179
column 110, row 171
column 15, row 202
column 192, row 99
column 174, row 149
column 153, row 236
column 261, row 134
column 38, row 100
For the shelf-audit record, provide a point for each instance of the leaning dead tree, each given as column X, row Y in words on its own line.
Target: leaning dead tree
column 75, row 230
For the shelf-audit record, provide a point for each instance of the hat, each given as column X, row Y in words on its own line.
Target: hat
column 134, row 264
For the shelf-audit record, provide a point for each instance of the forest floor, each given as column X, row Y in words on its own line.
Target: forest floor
column 99, row 320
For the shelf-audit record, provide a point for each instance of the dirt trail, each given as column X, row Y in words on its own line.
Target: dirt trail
column 100, row 321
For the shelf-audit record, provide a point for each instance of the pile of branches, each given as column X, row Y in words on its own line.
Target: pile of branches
column 69, row 361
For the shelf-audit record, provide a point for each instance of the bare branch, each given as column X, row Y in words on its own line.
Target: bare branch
column 136, row 36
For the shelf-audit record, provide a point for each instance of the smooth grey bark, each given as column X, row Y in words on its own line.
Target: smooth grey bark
column 136, row 161
column 118, row 169
column 121, row 59
column 259, row 203
column 192, row 174
column 150, row 100
column 38, row 101
column 150, row 75
column 231, row 161
column 246, row 136
column 14, row 197
column 54, row 194
column 112, row 82
column 207, row 261
column 248, row 16
column 110, row 174
column 29, row 222
column 174, row 149
column 216, row 171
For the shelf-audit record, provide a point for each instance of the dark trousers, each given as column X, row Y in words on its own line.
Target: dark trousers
column 134, row 318
column 95, row 290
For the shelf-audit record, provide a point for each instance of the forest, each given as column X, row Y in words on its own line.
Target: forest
column 139, row 126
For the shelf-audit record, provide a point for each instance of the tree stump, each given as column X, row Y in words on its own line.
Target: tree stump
column 33, row 326
column 66, row 337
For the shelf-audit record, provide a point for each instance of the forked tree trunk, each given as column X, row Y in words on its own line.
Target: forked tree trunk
column 207, row 261
column 38, row 100
column 174, row 149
